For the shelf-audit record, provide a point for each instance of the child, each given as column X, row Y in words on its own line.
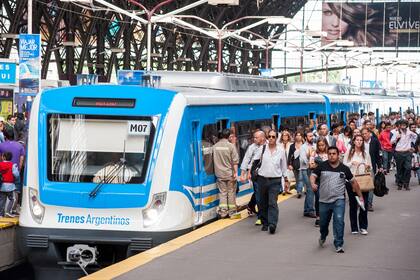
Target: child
column 9, row 173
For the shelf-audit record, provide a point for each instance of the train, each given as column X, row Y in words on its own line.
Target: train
column 114, row 170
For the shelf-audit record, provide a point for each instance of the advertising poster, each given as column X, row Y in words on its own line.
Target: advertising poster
column 29, row 63
column 378, row 24
column 130, row 77
column 7, row 72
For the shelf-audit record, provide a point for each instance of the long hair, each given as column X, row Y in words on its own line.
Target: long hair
column 353, row 148
column 360, row 18
column 323, row 140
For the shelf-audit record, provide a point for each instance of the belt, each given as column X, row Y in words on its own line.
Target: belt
column 271, row 178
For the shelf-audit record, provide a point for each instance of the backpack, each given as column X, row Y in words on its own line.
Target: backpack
column 380, row 185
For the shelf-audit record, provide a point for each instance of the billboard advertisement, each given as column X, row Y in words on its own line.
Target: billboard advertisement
column 130, row 77
column 378, row 24
column 7, row 72
column 29, row 63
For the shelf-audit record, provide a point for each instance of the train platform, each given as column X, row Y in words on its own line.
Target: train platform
column 9, row 255
column 237, row 249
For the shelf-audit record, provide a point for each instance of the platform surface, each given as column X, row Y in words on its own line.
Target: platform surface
column 241, row 251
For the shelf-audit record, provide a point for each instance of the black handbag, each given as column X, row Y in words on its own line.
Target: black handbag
column 256, row 164
column 295, row 163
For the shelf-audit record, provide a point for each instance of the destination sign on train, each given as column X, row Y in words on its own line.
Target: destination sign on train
column 104, row 102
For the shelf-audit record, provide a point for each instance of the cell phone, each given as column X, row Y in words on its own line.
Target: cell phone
column 362, row 206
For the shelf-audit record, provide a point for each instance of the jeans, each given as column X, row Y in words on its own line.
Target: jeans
column 335, row 209
column 309, row 199
column 403, row 160
column 299, row 183
column 360, row 222
column 269, row 190
column 317, row 203
column 255, row 198
column 3, row 199
column 418, row 174
column 387, row 157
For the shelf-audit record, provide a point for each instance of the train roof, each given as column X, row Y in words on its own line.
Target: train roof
column 330, row 88
column 218, row 81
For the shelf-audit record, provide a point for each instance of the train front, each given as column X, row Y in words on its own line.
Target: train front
column 88, row 198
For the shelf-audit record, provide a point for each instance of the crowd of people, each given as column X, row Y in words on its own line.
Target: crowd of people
column 327, row 167
column 13, row 134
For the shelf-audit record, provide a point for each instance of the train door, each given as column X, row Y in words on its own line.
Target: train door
column 197, row 179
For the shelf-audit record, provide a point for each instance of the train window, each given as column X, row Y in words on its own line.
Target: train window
column 260, row 124
column 80, row 148
column 244, row 137
column 322, row 118
column 222, row 124
column 275, row 121
column 292, row 123
column 209, row 138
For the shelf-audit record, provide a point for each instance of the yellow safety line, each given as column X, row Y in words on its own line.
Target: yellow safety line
column 140, row 259
column 8, row 222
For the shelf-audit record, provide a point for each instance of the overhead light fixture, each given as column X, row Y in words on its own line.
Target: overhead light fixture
column 70, row 44
column 117, row 50
column 278, row 20
column 9, row 36
column 344, row 43
column 224, row 2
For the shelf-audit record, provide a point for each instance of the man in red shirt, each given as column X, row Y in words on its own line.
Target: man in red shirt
column 387, row 149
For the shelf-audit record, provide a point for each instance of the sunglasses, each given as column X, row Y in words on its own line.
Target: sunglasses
column 271, row 136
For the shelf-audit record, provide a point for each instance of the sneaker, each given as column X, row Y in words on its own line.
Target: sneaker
column 9, row 215
column 355, row 232
column 250, row 211
column 264, row 228
column 363, row 232
column 339, row 250
column 258, row 222
column 321, row 242
column 300, row 195
column 235, row 216
column 406, row 187
column 272, row 229
column 317, row 223
column 399, row 187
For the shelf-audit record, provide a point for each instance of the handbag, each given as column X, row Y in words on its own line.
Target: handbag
column 365, row 180
column 256, row 164
column 295, row 162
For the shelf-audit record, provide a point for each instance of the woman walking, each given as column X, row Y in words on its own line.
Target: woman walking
column 319, row 155
column 358, row 160
column 293, row 161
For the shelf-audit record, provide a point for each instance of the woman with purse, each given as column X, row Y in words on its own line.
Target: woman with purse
column 318, row 156
column 293, row 161
column 358, row 160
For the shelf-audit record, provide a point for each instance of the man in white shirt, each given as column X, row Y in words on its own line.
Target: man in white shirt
column 272, row 169
column 404, row 141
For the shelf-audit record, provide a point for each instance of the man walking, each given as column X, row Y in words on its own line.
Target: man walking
column 259, row 139
column 304, row 172
column 226, row 160
column 404, row 140
column 332, row 175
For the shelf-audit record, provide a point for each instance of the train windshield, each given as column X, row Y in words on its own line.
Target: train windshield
column 97, row 149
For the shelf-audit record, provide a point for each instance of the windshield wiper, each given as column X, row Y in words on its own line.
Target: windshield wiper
column 112, row 175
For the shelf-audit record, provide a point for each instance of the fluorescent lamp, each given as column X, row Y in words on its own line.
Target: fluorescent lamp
column 117, row 50
column 344, row 43
column 278, row 20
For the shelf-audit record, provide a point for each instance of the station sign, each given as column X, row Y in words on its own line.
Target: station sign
column 29, row 63
column 7, row 72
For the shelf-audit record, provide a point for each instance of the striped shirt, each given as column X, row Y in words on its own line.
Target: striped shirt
column 332, row 184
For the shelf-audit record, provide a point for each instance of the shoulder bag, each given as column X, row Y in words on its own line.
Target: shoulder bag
column 256, row 164
column 365, row 180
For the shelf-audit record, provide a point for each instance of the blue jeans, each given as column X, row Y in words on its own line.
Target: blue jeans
column 418, row 174
column 387, row 157
column 335, row 209
column 299, row 183
column 309, row 199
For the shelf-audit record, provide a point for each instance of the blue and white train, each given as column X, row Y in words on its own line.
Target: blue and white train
column 114, row 170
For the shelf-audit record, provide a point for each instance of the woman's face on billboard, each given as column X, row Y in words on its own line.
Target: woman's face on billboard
column 332, row 24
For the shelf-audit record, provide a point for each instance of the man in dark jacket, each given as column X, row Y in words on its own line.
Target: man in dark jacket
column 373, row 146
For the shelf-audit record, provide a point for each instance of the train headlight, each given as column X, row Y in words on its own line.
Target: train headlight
column 151, row 214
column 37, row 210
